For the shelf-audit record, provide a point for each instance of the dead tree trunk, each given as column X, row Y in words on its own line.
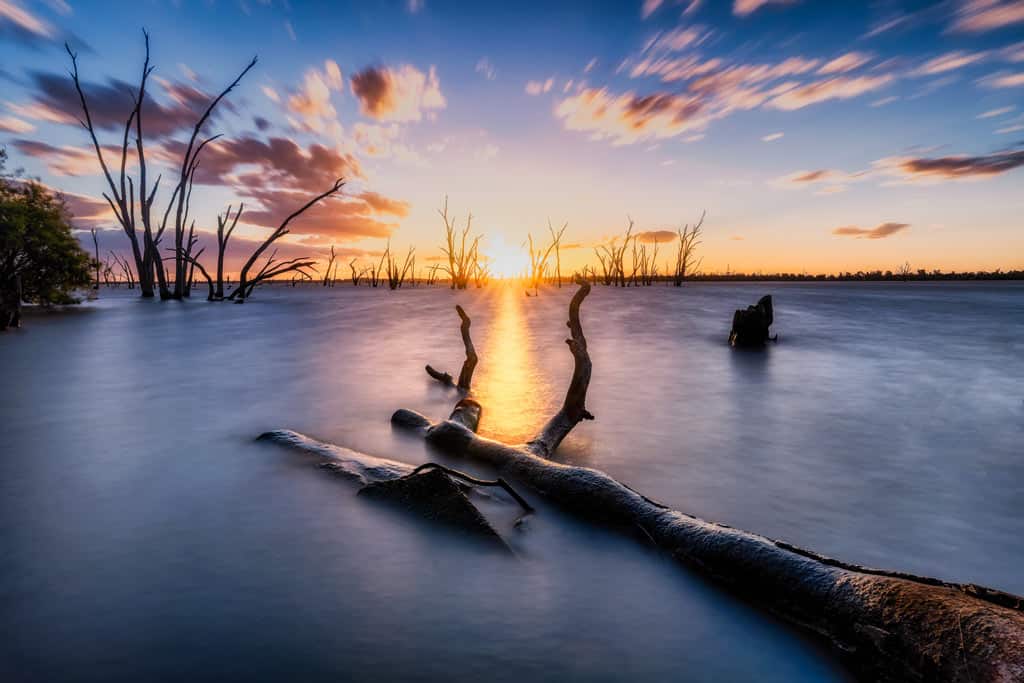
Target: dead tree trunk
column 468, row 366
column 887, row 626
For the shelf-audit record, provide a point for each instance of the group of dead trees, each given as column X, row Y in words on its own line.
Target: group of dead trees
column 643, row 270
column 132, row 200
column 461, row 251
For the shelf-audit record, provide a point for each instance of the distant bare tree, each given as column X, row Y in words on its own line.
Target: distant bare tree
column 686, row 255
column 397, row 273
column 556, row 240
column 223, row 235
column 461, row 260
column 330, row 265
column 904, row 271
column 612, row 257
column 356, row 274
column 538, row 262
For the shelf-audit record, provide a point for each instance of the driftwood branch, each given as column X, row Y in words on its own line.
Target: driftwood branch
column 887, row 626
column 574, row 408
column 468, row 366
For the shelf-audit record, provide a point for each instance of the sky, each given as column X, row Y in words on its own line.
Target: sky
column 817, row 136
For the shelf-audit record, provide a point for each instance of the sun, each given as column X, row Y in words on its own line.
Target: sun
column 505, row 259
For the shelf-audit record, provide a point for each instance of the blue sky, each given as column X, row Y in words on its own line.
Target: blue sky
column 819, row 136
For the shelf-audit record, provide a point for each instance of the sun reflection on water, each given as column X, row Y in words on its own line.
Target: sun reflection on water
column 506, row 383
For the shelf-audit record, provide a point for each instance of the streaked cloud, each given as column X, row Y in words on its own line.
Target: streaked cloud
column 976, row 16
column 539, row 87
column 742, row 8
column 772, row 137
column 948, row 62
column 838, row 88
column 11, row 124
column 14, row 18
column 958, row 167
column 628, row 117
column 844, row 63
column 879, row 232
column 992, row 113
column 1003, row 79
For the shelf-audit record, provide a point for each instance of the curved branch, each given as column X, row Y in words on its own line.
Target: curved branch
column 468, row 366
column 574, row 409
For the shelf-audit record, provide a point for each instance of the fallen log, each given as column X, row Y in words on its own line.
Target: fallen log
column 886, row 626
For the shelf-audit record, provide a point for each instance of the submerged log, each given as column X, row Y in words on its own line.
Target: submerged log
column 750, row 325
column 886, row 626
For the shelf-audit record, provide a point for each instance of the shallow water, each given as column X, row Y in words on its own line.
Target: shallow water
column 145, row 535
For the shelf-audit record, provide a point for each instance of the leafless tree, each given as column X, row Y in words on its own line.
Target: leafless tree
column 126, row 269
column 397, row 273
column 272, row 267
column 223, row 235
column 904, row 271
column 613, row 256
column 538, row 261
column 556, row 240
column 686, row 252
column 330, row 265
column 461, row 260
column 356, row 275
column 123, row 194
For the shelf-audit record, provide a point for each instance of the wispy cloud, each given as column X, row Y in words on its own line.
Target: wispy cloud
column 11, row 124
column 976, row 16
column 629, row 118
column 772, row 137
column 742, row 8
column 958, row 167
column 539, row 87
column 844, row 63
column 1003, row 79
column 838, row 88
column 948, row 62
column 17, row 20
column 880, row 232
column 992, row 113
column 486, row 69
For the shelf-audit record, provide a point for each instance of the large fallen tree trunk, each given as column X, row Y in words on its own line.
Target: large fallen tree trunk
column 886, row 626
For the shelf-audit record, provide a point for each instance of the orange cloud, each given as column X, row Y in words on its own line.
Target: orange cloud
column 976, row 16
column 629, row 118
column 881, row 232
column 401, row 94
column 838, row 88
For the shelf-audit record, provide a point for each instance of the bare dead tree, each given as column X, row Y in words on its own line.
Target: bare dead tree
column 126, row 269
column 461, row 260
column 223, row 235
column 273, row 268
column 122, row 195
column 607, row 274
column 356, row 274
column 432, row 273
column 888, row 626
column 397, row 273
column 556, row 240
column 468, row 366
column 330, row 265
column 904, row 271
column 686, row 253
column 613, row 256
column 538, row 261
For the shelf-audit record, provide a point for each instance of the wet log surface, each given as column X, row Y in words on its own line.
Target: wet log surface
column 886, row 626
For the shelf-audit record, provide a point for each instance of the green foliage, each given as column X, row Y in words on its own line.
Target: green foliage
column 36, row 244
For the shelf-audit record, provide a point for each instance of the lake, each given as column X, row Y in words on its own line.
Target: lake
column 146, row 535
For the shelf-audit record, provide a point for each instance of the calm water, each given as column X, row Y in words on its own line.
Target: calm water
column 143, row 534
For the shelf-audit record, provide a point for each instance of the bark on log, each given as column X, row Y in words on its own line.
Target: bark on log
column 887, row 626
column 750, row 325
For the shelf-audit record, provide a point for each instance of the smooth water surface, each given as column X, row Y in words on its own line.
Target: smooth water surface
column 144, row 534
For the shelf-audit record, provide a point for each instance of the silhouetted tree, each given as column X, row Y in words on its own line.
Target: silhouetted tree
column 686, row 254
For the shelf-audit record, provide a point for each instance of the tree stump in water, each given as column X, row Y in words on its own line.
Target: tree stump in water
column 750, row 325
column 434, row 496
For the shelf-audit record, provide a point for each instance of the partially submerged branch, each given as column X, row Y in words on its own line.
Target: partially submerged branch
column 469, row 365
column 574, row 409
